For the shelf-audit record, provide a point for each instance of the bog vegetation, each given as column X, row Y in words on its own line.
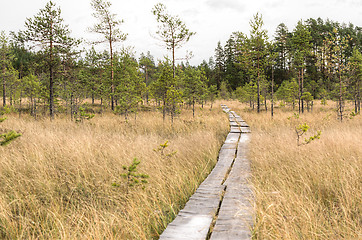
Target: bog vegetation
column 68, row 180
column 311, row 191
column 100, row 144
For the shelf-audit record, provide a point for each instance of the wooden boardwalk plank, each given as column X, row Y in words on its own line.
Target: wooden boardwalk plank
column 225, row 191
column 235, row 215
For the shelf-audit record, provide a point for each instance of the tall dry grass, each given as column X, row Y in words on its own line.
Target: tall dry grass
column 56, row 180
column 309, row 192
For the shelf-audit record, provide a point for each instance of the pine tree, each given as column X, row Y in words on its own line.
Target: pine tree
column 147, row 64
column 5, row 63
column 131, row 86
column 32, row 88
column 108, row 27
column 219, row 64
column 259, row 51
column 171, row 31
column 301, row 50
column 6, row 138
column 231, row 71
column 337, row 45
column 355, row 72
column 173, row 100
column 48, row 31
column 194, row 85
column 160, row 87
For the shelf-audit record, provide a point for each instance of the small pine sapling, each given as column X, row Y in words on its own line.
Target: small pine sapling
column 324, row 101
column 161, row 149
column 301, row 130
column 6, row 138
column 133, row 178
column 82, row 115
column 295, row 115
column 352, row 115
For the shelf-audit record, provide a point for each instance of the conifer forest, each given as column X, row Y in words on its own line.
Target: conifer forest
column 97, row 142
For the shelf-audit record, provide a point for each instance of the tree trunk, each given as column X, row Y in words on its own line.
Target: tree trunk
column 71, row 107
column 51, row 93
column 173, row 113
column 258, row 103
column 357, row 99
column 21, row 95
column 265, row 104
column 193, row 107
column 272, row 94
column 301, row 90
column 51, row 80
column 4, row 82
column 299, row 96
column 340, row 107
column 35, row 108
column 164, row 110
column 173, row 59
column 112, row 76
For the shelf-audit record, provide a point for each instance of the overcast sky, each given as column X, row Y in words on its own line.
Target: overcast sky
column 212, row 20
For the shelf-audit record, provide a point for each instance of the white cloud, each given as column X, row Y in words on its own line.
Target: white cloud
column 226, row 4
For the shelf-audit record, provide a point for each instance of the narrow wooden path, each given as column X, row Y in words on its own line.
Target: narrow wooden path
column 221, row 207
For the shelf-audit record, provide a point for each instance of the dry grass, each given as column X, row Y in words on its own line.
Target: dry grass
column 56, row 180
column 308, row 192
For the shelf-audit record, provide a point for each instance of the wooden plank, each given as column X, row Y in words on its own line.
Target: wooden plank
column 235, row 215
column 243, row 124
column 217, row 175
column 245, row 130
column 193, row 222
column 235, row 130
column 232, row 138
column 231, row 173
column 231, row 235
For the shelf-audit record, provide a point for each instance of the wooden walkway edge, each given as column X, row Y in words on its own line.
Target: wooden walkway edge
column 221, row 208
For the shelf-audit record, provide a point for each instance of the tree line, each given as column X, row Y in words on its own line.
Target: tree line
column 43, row 66
column 316, row 60
column 43, row 70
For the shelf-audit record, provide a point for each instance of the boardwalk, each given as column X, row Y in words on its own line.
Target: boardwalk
column 221, row 207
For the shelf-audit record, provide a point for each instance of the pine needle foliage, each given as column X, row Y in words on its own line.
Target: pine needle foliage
column 133, row 178
column 8, row 137
column 161, row 149
column 82, row 115
column 301, row 130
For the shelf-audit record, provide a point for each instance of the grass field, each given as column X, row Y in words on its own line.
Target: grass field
column 312, row 191
column 56, row 180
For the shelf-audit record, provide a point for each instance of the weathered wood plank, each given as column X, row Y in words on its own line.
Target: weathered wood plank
column 245, row 130
column 230, row 176
column 243, row 124
column 193, row 222
column 235, row 215
column 235, row 130
column 232, row 138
